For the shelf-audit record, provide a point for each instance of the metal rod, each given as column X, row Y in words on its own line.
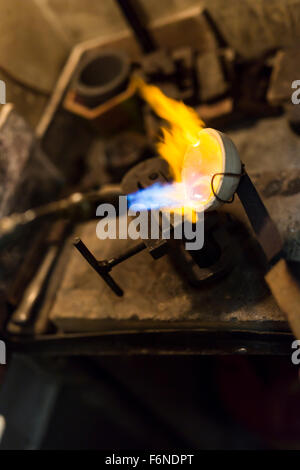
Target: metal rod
column 79, row 205
column 85, row 252
column 142, row 34
column 265, row 229
column 36, row 288
column 128, row 254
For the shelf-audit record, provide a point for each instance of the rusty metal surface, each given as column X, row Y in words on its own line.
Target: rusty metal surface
column 253, row 27
column 157, row 294
column 110, row 116
column 26, row 178
column 16, row 140
column 194, row 29
column 285, row 71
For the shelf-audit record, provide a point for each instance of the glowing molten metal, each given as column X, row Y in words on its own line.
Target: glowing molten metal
column 193, row 153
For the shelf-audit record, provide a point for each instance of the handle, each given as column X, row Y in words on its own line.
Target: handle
column 286, row 291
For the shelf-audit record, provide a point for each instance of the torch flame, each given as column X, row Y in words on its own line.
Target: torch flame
column 193, row 154
column 184, row 123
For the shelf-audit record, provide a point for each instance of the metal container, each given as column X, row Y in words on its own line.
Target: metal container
column 211, row 170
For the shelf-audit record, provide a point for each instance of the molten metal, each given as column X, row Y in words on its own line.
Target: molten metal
column 195, row 154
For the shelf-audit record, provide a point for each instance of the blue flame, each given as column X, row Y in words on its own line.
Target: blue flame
column 159, row 196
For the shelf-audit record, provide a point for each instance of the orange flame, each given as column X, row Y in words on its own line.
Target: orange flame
column 184, row 124
column 193, row 154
